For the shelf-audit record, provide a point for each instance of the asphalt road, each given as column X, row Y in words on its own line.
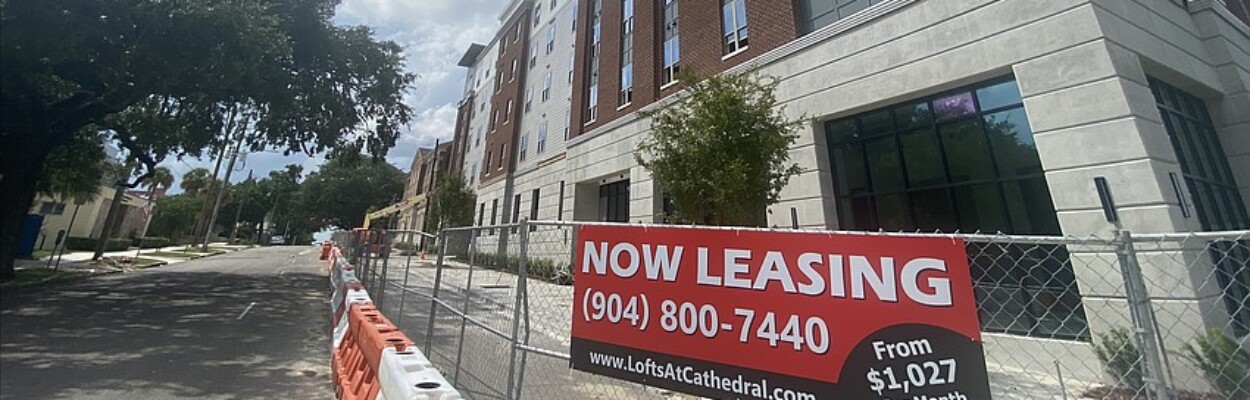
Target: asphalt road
column 174, row 332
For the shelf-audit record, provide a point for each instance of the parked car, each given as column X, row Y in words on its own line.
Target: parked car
column 277, row 240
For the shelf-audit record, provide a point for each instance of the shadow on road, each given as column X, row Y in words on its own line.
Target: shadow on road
column 167, row 335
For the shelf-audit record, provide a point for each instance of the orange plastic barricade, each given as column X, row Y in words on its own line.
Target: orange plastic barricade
column 325, row 249
column 357, row 357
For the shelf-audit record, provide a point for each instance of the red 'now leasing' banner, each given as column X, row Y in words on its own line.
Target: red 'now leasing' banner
column 777, row 315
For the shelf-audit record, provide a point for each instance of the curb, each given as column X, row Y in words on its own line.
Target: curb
column 66, row 278
column 55, row 279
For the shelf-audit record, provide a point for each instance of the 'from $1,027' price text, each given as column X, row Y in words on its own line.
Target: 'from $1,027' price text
column 809, row 333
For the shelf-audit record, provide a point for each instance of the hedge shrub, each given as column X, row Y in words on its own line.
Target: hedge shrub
column 88, row 244
column 152, row 242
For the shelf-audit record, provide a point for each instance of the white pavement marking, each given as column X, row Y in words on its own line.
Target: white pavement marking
column 245, row 310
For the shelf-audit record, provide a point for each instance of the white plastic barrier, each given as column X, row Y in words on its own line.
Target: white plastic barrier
column 409, row 375
column 401, row 375
column 352, row 296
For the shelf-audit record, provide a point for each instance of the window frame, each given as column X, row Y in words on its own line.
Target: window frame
column 734, row 37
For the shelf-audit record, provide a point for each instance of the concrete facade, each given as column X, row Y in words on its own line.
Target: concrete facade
column 89, row 221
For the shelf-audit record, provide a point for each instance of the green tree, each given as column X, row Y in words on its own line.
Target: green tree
column 162, row 177
column 195, row 180
column 308, row 84
column 77, row 167
column 451, row 203
column 175, row 216
column 721, row 153
column 346, row 187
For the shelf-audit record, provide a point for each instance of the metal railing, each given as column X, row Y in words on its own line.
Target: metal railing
column 1163, row 316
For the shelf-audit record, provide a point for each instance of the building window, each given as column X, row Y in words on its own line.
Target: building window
column 542, row 138
column 965, row 161
column 516, row 35
column 814, row 14
column 494, row 117
column 553, row 5
column 503, row 147
column 472, row 173
column 533, row 55
column 494, row 213
column 592, row 111
column 734, row 25
column 546, row 87
column 1213, row 191
column 627, row 53
column 672, row 46
column 614, row 202
column 533, row 208
column 497, row 86
column 51, row 208
column 567, row 117
column 478, row 140
column 571, row 62
column 489, row 156
column 573, row 25
column 1201, row 155
column 560, row 204
column 529, row 98
column 481, row 213
column 524, row 147
column 551, row 38
column 507, row 111
column 538, row 13
column 512, row 72
column 592, row 108
column 516, row 211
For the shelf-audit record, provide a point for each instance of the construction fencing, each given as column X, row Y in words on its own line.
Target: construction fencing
column 1160, row 316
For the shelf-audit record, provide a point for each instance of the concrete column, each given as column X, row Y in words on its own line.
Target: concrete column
column 1093, row 114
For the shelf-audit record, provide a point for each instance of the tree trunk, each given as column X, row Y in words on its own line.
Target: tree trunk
column 24, row 146
column 17, row 192
column 110, row 221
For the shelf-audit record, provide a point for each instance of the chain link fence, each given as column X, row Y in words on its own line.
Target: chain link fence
column 1163, row 316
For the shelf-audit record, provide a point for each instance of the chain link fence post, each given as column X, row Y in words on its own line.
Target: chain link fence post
column 403, row 290
column 438, row 277
column 513, row 389
column 385, row 246
column 464, row 321
column 1142, row 315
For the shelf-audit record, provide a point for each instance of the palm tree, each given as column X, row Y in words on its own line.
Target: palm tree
column 196, row 180
column 161, row 177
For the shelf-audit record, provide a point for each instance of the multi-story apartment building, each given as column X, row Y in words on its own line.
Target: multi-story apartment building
column 933, row 115
column 427, row 166
column 515, row 115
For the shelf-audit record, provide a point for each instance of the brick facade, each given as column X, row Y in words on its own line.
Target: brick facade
column 463, row 137
column 771, row 23
column 503, row 138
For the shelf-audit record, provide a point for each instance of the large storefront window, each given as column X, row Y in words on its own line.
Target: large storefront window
column 1217, row 202
column 963, row 161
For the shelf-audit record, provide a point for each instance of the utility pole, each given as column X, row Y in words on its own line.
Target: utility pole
column 221, row 191
column 238, row 212
column 111, row 219
column 199, row 218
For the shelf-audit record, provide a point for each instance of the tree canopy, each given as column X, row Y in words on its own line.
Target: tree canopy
column 346, row 188
column 171, row 77
column 721, row 153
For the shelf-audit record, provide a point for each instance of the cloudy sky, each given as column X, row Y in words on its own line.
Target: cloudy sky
column 434, row 34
